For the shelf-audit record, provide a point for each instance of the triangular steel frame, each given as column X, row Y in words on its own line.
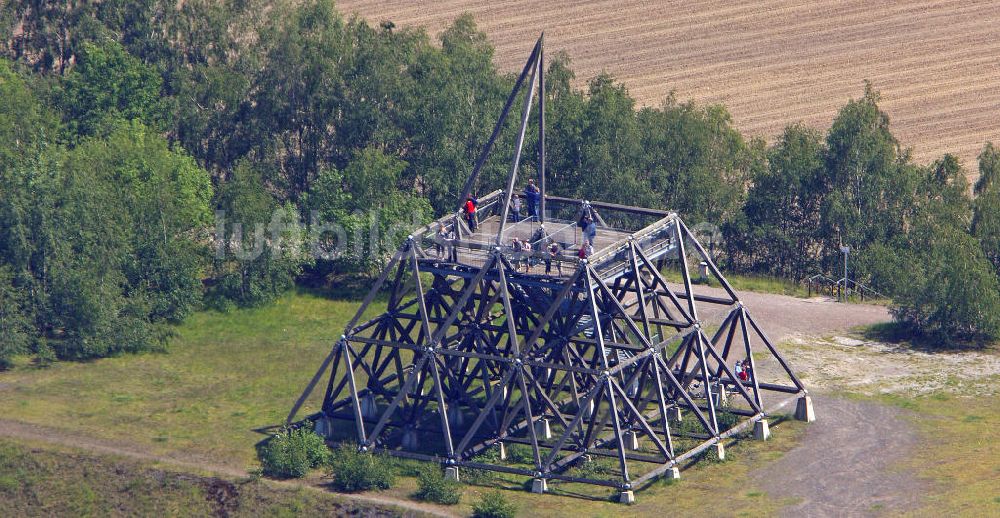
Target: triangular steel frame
column 469, row 355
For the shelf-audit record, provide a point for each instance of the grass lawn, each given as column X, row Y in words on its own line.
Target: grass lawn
column 55, row 482
column 960, row 452
column 708, row 488
column 760, row 284
column 226, row 376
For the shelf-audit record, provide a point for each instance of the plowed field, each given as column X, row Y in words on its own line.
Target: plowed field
column 772, row 62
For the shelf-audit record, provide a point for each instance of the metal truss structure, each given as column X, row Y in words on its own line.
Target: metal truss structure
column 614, row 355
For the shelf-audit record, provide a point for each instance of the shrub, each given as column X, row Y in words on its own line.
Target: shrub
column 483, row 476
column 943, row 287
column 520, row 454
column 433, row 486
column 292, row 453
column 493, row 505
column 597, row 468
column 358, row 471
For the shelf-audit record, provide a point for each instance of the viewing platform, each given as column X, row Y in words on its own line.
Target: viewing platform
column 651, row 229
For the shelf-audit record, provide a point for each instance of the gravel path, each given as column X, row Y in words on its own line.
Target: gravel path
column 843, row 466
column 783, row 316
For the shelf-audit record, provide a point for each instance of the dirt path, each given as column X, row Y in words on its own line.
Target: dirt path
column 784, row 316
column 30, row 432
column 844, row 464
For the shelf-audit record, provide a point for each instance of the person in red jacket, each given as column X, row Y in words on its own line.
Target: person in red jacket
column 469, row 209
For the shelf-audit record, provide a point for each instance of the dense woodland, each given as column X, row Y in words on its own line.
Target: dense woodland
column 125, row 127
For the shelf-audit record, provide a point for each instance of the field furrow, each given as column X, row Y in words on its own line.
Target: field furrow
column 772, row 63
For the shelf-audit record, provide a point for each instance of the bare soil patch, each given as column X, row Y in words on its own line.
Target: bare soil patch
column 849, row 364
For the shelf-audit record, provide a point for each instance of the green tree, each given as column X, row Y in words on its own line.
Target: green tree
column 942, row 285
column 257, row 256
column 870, row 183
column 610, row 145
column 299, row 102
column 989, row 169
column 986, row 220
column 16, row 328
column 365, row 202
column 47, row 35
column 942, row 195
column 697, row 162
column 782, row 210
column 448, row 115
column 986, row 225
column 109, row 84
column 164, row 205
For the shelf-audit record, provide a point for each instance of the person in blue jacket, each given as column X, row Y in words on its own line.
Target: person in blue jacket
column 533, row 196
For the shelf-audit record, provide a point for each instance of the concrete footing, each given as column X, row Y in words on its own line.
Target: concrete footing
column 626, row 497
column 455, row 416
column 410, row 440
column 451, row 473
column 503, row 450
column 761, row 430
column 542, row 429
column 369, row 409
column 673, row 473
column 539, row 485
column 804, row 409
column 631, row 439
column 720, row 395
column 675, row 414
column 720, row 451
column 323, row 427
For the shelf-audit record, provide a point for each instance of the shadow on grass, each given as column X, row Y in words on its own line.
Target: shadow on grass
column 903, row 334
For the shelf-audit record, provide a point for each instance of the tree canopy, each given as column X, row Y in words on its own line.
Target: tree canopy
column 156, row 153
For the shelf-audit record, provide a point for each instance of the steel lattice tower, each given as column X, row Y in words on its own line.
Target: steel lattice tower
column 616, row 355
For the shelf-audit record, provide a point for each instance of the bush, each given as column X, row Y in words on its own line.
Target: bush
column 476, row 476
column 432, row 486
column 357, row 471
column 596, row 468
column 943, row 287
column 493, row 505
column 292, row 453
column 520, row 454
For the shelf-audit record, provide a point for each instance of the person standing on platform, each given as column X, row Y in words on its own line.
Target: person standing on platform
column 532, row 196
column 450, row 244
column 553, row 254
column 515, row 210
column 590, row 230
column 469, row 210
column 440, row 240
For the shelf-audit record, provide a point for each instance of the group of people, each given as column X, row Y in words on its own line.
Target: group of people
column 532, row 198
column 444, row 243
column 523, row 250
column 527, row 252
column 744, row 369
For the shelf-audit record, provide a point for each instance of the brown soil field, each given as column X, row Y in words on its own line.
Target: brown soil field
column 772, row 63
